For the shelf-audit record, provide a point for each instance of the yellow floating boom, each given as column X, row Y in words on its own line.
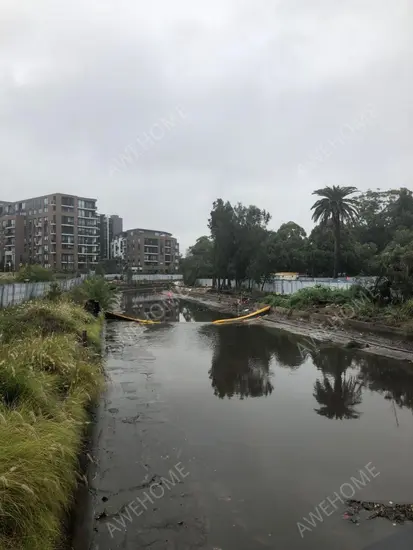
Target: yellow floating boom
column 257, row 313
column 120, row 317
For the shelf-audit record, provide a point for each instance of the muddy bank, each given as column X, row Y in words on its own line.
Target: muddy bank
column 318, row 329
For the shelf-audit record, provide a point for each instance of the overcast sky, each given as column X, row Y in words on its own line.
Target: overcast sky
column 156, row 108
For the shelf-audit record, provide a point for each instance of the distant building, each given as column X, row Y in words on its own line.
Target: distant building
column 118, row 247
column 109, row 228
column 150, row 251
column 57, row 231
column 287, row 275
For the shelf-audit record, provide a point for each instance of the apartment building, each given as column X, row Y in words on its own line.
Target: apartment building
column 58, row 231
column 149, row 251
column 109, row 228
column 118, row 247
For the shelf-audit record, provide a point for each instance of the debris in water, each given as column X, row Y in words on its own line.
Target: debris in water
column 396, row 513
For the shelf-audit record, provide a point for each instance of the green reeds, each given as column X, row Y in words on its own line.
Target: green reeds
column 47, row 381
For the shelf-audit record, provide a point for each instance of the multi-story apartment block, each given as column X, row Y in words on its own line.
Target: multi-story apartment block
column 57, row 231
column 109, row 228
column 118, row 247
column 151, row 251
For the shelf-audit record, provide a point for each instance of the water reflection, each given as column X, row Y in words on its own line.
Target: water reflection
column 146, row 306
column 338, row 400
column 243, row 356
column 392, row 379
column 287, row 348
column 337, row 393
column 240, row 363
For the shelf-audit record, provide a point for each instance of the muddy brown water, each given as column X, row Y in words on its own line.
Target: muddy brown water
column 231, row 437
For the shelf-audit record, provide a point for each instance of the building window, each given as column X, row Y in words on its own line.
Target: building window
column 68, row 201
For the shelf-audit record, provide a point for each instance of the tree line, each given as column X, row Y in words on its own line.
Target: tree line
column 356, row 234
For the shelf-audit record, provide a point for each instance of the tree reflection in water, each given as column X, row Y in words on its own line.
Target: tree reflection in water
column 393, row 379
column 242, row 356
column 287, row 347
column 337, row 394
column 240, row 362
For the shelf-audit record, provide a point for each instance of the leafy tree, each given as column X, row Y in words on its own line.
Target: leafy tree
column 335, row 207
column 198, row 262
column 291, row 248
column 236, row 234
column 249, row 229
column 221, row 224
column 263, row 263
column 368, row 235
column 397, row 264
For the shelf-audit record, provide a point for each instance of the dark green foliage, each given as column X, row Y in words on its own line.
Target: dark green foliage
column 368, row 235
column 34, row 274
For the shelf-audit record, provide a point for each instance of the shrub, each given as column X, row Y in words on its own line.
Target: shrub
column 55, row 292
column 34, row 274
column 407, row 308
column 275, row 300
column 97, row 288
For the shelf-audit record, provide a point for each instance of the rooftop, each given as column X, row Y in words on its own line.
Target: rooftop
column 153, row 231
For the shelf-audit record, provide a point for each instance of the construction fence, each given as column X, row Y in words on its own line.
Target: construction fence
column 16, row 293
column 282, row 286
column 147, row 277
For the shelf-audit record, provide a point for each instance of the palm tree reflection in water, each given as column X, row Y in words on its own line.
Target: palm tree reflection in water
column 337, row 394
column 338, row 400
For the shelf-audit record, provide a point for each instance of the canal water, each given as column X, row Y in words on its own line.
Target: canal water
column 234, row 438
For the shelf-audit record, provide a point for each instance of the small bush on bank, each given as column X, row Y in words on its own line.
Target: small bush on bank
column 96, row 288
column 319, row 296
column 276, row 300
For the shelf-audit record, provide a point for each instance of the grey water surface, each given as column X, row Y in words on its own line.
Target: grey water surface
column 230, row 437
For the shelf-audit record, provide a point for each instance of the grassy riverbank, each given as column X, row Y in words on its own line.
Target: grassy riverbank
column 353, row 303
column 48, row 379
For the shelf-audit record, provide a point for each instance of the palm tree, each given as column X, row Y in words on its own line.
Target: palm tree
column 334, row 206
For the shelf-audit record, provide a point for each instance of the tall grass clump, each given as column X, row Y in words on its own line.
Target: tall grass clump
column 48, row 379
column 43, row 318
